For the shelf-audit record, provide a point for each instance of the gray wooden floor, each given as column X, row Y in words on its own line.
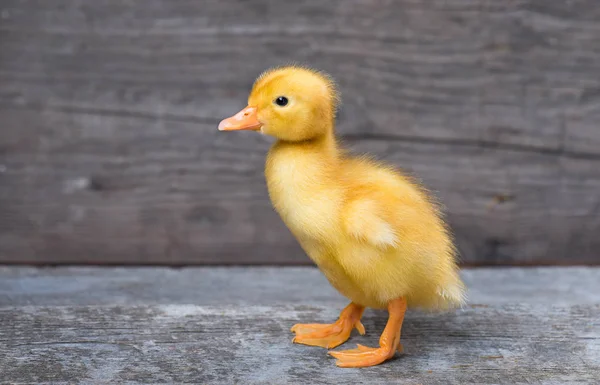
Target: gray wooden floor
column 231, row 325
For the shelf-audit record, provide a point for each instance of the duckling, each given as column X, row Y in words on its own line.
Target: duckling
column 376, row 234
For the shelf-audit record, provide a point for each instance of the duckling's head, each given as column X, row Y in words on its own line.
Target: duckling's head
column 289, row 103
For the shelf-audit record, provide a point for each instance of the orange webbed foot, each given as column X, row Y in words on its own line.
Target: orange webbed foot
column 330, row 335
column 389, row 342
column 362, row 356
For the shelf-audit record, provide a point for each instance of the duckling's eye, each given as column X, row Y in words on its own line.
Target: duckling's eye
column 281, row 101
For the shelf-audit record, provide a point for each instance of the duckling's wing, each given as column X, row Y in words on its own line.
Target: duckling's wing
column 364, row 222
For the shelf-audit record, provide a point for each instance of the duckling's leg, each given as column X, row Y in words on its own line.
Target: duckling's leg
column 388, row 343
column 331, row 335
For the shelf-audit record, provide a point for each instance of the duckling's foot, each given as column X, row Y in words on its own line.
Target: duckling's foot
column 362, row 356
column 331, row 335
column 389, row 342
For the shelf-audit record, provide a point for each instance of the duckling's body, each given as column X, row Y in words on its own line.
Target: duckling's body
column 375, row 234
column 371, row 231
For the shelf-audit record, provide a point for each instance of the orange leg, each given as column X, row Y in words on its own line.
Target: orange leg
column 388, row 343
column 331, row 335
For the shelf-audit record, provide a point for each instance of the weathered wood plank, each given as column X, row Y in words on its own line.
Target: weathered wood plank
column 110, row 198
column 243, row 286
column 195, row 344
column 504, row 72
column 236, row 333
column 108, row 152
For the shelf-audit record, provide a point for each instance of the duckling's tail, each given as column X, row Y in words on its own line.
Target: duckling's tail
column 451, row 294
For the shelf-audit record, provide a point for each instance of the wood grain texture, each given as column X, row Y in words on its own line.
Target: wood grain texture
column 244, row 286
column 151, row 325
column 216, row 345
column 109, row 152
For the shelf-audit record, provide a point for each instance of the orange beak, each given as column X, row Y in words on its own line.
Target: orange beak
column 246, row 119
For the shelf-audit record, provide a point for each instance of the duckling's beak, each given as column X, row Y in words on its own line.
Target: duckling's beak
column 246, row 119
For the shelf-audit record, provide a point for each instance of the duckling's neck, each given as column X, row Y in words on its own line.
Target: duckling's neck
column 297, row 172
column 319, row 154
column 295, row 166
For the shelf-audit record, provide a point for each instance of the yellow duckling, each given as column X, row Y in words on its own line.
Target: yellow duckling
column 375, row 234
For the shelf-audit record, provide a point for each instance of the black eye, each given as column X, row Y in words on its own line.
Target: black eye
column 281, row 101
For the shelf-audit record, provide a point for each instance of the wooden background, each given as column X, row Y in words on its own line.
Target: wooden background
column 109, row 151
